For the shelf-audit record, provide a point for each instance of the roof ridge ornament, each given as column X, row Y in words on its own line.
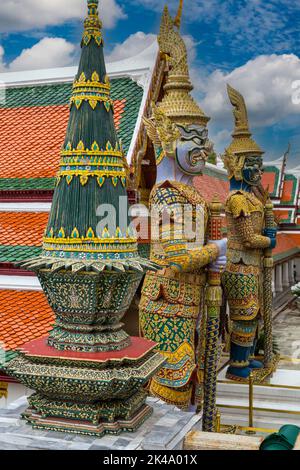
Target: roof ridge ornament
column 178, row 18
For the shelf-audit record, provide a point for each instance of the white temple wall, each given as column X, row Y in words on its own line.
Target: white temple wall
column 15, row 391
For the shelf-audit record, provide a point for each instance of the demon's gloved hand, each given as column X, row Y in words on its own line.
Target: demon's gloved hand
column 221, row 244
column 272, row 234
column 220, row 263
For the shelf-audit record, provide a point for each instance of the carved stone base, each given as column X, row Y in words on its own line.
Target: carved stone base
column 95, row 419
column 93, row 412
column 85, row 427
column 86, row 393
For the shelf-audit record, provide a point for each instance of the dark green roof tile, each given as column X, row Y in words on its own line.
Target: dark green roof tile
column 13, row 254
column 39, row 95
column 27, row 184
column 5, row 357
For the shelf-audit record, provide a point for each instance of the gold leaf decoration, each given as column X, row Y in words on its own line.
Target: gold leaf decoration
column 82, row 77
column 95, row 77
column 80, row 146
column 75, row 233
column 93, row 103
column 83, row 180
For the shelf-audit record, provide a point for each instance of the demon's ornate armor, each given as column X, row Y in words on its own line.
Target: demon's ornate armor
column 242, row 279
column 172, row 300
column 245, row 213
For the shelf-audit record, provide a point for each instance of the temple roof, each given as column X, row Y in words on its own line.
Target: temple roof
column 213, row 182
column 21, row 235
column 136, row 67
column 25, row 315
column 34, row 116
column 271, row 179
column 286, row 246
column 33, row 123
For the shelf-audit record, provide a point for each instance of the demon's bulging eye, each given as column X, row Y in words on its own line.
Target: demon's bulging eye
column 198, row 141
column 254, row 162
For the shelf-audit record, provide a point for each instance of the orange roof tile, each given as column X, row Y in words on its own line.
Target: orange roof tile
column 22, row 228
column 296, row 238
column 119, row 107
column 287, row 191
column 284, row 243
column 269, row 179
column 209, row 186
column 282, row 215
column 30, row 146
column 24, row 315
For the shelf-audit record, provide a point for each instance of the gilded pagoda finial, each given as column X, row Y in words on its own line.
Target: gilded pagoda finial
column 177, row 21
column 92, row 25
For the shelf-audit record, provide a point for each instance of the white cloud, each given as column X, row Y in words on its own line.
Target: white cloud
column 47, row 53
column 220, row 137
column 24, row 15
column 191, row 45
column 265, row 82
column 2, row 64
column 140, row 41
column 131, row 47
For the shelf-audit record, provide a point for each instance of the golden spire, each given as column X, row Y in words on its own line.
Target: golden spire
column 92, row 24
column 240, row 112
column 177, row 104
column 177, row 21
column 242, row 141
column 242, row 144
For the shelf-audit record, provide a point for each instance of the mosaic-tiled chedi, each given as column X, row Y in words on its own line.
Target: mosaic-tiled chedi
column 88, row 374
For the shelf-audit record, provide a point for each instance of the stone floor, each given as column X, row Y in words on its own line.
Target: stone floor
column 286, row 332
column 164, row 430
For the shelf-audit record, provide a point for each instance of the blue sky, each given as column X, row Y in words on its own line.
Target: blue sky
column 252, row 44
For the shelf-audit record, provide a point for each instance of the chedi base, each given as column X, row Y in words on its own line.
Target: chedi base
column 84, row 393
